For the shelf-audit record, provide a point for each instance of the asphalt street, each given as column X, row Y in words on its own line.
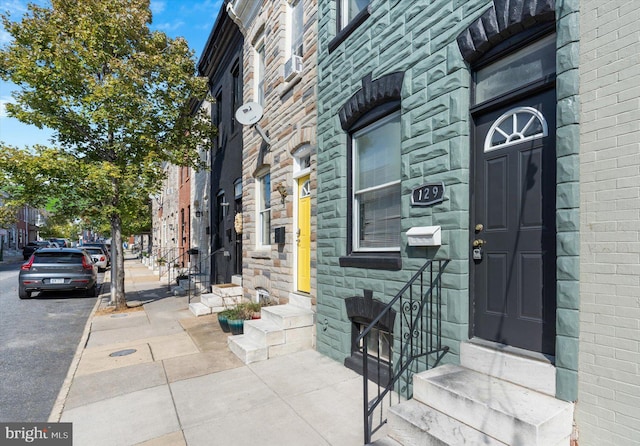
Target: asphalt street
column 38, row 339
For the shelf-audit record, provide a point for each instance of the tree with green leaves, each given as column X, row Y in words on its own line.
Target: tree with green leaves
column 120, row 100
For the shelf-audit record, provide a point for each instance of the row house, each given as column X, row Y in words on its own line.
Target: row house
column 24, row 229
column 220, row 188
column 279, row 151
column 452, row 188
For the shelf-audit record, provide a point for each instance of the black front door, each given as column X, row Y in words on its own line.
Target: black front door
column 513, row 224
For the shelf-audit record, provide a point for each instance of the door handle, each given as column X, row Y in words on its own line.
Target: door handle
column 477, row 243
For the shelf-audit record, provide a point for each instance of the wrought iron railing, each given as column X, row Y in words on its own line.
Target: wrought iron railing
column 416, row 343
column 199, row 274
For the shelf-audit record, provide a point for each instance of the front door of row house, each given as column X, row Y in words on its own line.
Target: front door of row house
column 513, row 244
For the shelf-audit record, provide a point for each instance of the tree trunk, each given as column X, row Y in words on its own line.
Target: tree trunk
column 117, row 265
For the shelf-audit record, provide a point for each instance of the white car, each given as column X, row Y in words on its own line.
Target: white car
column 98, row 256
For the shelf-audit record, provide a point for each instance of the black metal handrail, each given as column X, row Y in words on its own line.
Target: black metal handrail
column 195, row 273
column 419, row 337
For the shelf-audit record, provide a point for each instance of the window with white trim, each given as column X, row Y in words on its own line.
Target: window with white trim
column 259, row 73
column 376, row 185
column 517, row 125
column 296, row 27
column 264, row 210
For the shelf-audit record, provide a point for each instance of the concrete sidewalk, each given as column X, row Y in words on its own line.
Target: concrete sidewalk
column 161, row 376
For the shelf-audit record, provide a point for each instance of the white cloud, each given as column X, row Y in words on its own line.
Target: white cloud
column 157, row 6
column 3, row 102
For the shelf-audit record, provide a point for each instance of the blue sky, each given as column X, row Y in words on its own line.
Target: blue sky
column 192, row 20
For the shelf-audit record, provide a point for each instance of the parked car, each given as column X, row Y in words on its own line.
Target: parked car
column 98, row 256
column 58, row 269
column 105, row 248
column 32, row 246
column 61, row 242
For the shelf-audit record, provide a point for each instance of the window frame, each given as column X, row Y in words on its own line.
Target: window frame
column 295, row 34
column 259, row 70
column 262, row 208
column 344, row 30
column 386, row 259
column 236, row 95
column 354, row 195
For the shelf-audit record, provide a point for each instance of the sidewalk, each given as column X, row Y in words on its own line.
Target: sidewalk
column 161, row 376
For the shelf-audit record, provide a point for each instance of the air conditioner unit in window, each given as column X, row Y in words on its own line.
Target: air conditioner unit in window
column 292, row 67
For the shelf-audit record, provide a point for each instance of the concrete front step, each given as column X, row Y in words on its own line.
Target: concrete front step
column 385, row 441
column 227, row 290
column 263, row 332
column 413, row 423
column 288, row 316
column 282, row 329
column 504, row 411
column 246, row 349
column 216, row 301
column 510, row 364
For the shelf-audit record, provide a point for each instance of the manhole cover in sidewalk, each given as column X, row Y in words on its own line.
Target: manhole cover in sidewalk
column 126, row 352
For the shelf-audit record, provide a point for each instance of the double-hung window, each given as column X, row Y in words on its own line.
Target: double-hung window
column 349, row 9
column 264, row 210
column 297, row 27
column 376, row 185
column 260, row 73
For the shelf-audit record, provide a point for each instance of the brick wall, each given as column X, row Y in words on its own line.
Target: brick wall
column 608, row 409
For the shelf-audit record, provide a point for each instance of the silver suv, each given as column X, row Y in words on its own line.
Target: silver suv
column 58, row 269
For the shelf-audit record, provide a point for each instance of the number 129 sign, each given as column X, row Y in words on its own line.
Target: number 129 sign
column 427, row 194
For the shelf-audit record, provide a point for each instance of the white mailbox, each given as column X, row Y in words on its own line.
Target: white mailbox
column 424, row 236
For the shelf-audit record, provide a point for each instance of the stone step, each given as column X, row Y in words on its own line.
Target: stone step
column 263, row 332
column 247, row 350
column 385, row 441
column 511, row 365
column 199, row 309
column 415, row 423
column 288, row 316
column 500, row 409
column 301, row 301
column 227, row 290
column 290, row 347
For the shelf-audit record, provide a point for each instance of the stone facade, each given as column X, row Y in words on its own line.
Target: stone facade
column 420, row 40
column 609, row 309
column 289, row 122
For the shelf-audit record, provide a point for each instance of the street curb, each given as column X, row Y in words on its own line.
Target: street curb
column 58, row 406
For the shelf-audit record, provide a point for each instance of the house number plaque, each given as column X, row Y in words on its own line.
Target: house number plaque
column 428, row 194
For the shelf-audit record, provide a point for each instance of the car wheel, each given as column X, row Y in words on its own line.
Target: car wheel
column 93, row 291
column 23, row 294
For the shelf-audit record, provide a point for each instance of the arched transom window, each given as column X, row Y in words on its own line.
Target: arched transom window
column 517, row 125
column 305, row 190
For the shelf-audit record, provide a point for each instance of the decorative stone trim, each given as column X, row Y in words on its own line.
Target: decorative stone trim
column 372, row 94
column 504, row 19
column 365, row 308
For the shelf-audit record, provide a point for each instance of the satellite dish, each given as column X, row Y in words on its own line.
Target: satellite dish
column 249, row 113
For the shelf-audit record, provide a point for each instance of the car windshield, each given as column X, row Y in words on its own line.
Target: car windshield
column 58, row 257
column 93, row 250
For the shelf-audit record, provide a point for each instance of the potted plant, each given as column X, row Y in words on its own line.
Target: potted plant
column 223, row 320
column 235, row 319
column 254, row 309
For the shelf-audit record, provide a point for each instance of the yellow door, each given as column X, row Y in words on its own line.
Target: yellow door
column 304, row 234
